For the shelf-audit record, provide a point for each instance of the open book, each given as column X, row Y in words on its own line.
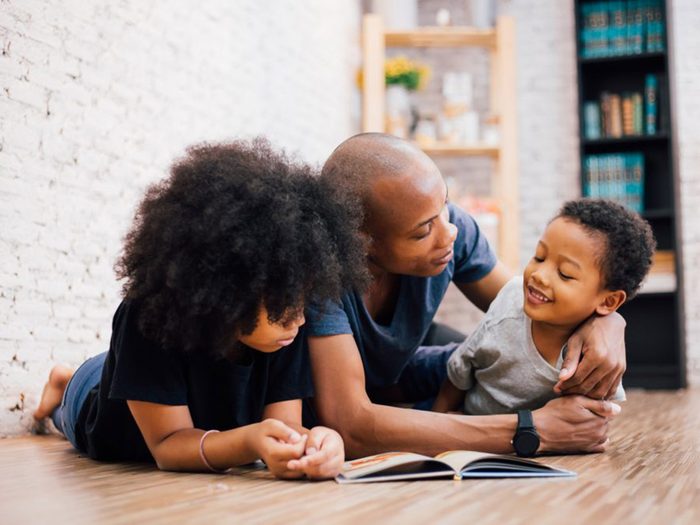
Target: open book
column 459, row 464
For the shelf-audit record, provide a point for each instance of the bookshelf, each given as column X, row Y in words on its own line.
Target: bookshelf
column 627, row 153
column 500, row 42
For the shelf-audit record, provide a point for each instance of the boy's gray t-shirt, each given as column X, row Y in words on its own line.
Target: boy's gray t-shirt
column 499, row 365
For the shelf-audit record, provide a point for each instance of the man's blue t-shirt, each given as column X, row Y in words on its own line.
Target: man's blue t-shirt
column 385, row 350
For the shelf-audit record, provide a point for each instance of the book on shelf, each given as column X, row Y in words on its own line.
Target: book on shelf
column 591, row 120
column 651, row 106
column 623, row 115
column 616, row 176
column 619, row 27
column 659, row 282
column 663, row 261
column 456, row 464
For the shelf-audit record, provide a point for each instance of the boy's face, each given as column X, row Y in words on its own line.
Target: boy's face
column 269, row 337
column 562, row 282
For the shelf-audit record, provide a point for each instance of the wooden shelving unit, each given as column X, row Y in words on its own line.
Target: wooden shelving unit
column 500, row 42
column 654, row 336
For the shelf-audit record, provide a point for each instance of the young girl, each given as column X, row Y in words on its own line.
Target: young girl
column 207, row 362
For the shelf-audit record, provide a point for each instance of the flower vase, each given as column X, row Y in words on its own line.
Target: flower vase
column 399, row 115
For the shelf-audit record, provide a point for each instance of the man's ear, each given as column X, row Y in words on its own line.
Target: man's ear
column 611, row 302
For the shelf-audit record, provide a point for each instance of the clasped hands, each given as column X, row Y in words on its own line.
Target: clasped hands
column 289, row 454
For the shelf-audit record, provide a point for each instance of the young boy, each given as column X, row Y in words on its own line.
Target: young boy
column 592, row 257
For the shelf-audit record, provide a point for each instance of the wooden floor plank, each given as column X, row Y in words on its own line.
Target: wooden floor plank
column 651, row 474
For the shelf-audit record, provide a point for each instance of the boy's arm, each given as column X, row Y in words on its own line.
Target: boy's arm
column 449, row 398
column 571, row 423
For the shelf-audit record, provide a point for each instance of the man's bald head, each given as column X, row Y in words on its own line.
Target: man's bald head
column 386, row 173
column 362, row 160
column 404, row 199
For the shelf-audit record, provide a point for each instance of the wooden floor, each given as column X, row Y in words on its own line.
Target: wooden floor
column 651, row 474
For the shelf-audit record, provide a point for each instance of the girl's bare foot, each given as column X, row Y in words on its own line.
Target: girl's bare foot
column 53, row 391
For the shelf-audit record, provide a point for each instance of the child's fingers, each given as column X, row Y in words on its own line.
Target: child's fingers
column 276, row 429
column 316, row 439
column 282, row 451
column 315, row 459
column 295, row 465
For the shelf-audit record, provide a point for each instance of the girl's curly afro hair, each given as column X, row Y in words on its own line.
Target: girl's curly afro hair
column 236, row 226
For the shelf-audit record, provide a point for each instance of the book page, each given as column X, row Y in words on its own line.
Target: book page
column 458, row 459
column 382, row 462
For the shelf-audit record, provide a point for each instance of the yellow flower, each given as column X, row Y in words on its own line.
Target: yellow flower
column 400, row 70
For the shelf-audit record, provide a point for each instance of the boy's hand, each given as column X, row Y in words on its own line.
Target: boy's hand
column 324, row 455
column 277, row 444
column 599, row 344
column 574, row 424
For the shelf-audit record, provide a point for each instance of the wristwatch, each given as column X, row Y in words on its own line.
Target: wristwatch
column 525, row 441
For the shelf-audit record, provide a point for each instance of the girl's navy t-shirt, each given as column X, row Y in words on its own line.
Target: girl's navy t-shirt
column 219, row 393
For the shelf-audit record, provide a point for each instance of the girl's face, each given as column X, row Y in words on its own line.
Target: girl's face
column 270, row 337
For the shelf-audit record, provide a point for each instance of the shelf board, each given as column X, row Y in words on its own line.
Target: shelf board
column 660, row 213
column 441, row 37
column 470, row 150
column 628, row 139
column 622, row 58
column 659, row 283
column 653, row 376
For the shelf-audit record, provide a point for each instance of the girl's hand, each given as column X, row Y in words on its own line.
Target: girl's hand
column 277, row 444
column 324, row 455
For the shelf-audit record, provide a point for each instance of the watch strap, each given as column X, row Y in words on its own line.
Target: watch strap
column 525, row 419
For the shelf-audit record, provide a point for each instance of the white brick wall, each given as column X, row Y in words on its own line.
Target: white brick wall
column 96, row 98
column 686, row 45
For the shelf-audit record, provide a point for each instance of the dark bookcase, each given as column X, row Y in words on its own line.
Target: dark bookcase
column 622, row 52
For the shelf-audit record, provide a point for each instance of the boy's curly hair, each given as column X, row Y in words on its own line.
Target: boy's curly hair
column 629, row 241
column 236, row 226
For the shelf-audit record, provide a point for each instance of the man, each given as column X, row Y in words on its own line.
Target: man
column 368, row 348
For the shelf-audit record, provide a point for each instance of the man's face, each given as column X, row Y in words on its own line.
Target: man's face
column 408, row 222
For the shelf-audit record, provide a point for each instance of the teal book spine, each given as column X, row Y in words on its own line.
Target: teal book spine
column 591, row 120
column 651, row 106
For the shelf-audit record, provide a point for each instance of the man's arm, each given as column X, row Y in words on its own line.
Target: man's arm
column 595, row 359
column 482, row 292
column 572, row 423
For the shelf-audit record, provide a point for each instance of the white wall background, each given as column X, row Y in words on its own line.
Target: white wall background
column 96, row 99
column 685, row 20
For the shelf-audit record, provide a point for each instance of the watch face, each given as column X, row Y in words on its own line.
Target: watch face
column 526, row 443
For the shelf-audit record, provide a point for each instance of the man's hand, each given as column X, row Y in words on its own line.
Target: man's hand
column 277, row 444
column 324, row 455
column 595, row 359
column 574, row 424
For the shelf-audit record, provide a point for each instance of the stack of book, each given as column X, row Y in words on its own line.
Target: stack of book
column 622, row 115
column 662, row 275
column 617, row 176
column 622, row 27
